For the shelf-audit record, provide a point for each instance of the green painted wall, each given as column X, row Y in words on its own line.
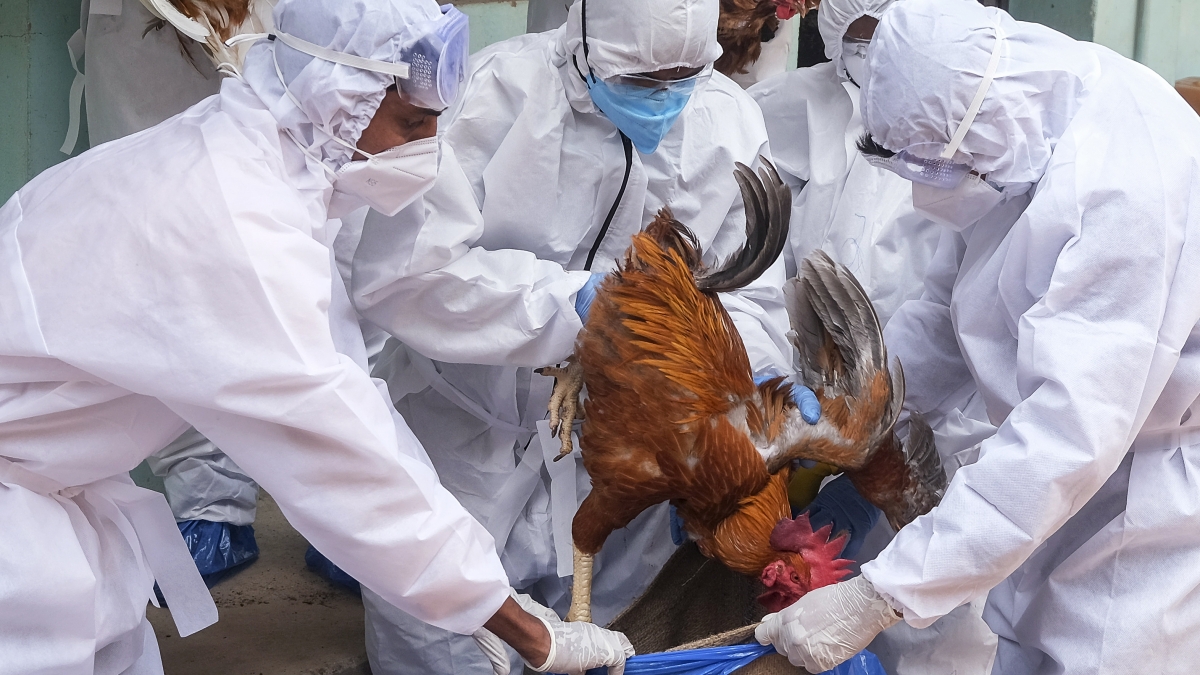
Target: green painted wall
column 495, row 21
column 35, row 79
column 14, row 94
column 1073, row 17
column 1168, row 37
column 1163, row 34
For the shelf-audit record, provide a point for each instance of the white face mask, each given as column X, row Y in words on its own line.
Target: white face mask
column 854, row 60
column 390, row 180
column 959, row 208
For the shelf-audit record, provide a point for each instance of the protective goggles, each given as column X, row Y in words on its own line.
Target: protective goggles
column 649, row 87
column 943, row 165
column 429, row 72
column 437, row 61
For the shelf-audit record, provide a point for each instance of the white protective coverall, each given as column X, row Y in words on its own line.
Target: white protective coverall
column 863, row 217
column 137, row 76
column 1072, row 306
column 199, row 288
column 483, row 270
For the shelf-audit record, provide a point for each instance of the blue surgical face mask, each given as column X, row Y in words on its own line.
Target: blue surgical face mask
column 644, row 114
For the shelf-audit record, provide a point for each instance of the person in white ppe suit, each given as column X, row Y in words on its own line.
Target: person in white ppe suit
column 137, row 73
column 860, row 215
column 557, row 153
column 1068, row 182
column 183, row 275
column 863, row 217
column 140, row 71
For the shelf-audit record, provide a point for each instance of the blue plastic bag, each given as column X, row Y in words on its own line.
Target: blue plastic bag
column 218, row 548
column 725, row 660
column 324, row 568
column 862, row 663
column 707, row 661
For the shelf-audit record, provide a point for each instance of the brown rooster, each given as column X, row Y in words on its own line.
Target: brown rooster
column 745, row 24
column 212, row 22
column 673, row 414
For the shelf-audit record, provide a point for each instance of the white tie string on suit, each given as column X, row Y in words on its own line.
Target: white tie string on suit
column 153, row 532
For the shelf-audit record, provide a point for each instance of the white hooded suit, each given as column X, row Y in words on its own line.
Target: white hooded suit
column 863, row 217
column 1072, row 307
column 480, row 276
column 860, row 215
column 183, row 275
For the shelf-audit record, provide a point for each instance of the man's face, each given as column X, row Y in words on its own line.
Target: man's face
column 395, row 123
column 863, row 28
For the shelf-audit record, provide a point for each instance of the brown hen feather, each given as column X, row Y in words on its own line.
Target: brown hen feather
column 223, row 15
column 745, row 24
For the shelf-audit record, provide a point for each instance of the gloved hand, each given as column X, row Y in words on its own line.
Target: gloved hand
column 585, row 296
column 493, row 647
column 828, row 625
column 678, row 532
column 806, row 400
column 579, row 646
column 840, row 503
column 576, row 646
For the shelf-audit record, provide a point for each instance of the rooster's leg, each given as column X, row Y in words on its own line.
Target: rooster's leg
column 581, row 588
column 564, row 402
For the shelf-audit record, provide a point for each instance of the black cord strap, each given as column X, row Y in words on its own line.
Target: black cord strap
column 617, row 202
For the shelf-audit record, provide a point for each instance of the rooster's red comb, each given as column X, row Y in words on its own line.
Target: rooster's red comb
column 816, row 548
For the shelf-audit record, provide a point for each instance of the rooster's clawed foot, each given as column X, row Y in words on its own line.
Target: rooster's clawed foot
column 564, row 402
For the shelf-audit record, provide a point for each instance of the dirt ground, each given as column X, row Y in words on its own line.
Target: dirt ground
column 276, row 617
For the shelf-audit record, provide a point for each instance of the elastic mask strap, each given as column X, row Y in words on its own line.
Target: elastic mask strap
column 399, row 69
column 973, row 110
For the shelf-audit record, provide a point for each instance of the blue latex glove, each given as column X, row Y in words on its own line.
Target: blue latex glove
column 840, row 504
column 806, row 400
column 678, row 534
column 585, row 296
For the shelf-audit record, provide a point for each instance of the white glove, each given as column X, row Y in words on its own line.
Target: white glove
column 578, row 646
column 574, row 647
column 828, row 625
column 493, row 647
column 535, row 608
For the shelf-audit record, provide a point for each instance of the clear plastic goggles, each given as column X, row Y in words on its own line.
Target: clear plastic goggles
column 923, row 163
column 650, row 87
column 437, row 61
